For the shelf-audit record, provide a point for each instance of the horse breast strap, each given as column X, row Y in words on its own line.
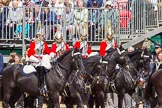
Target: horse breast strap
column 78, row 53
column 145, row 56
column 104, row 62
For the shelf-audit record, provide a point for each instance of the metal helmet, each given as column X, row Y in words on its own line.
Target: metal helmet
column 40, row 32
column 83, row 32
column 58, row 35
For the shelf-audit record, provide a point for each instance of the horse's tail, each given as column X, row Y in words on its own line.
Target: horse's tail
column 148, row 89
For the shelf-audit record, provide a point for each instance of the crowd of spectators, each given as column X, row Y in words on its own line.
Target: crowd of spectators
column 97, row 16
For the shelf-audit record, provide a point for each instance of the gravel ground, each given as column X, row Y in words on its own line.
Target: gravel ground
column 63, row 106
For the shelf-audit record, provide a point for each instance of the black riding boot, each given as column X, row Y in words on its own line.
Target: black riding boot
column 41, row 83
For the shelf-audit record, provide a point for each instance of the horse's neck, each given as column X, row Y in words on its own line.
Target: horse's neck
column 62, row 71
column 66, row 62
column 91, row 66
column 135, row 64
column 133, row 69
column 111, row 68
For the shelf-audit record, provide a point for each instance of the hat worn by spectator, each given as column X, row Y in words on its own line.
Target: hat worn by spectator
column 108, row 3
column 157, row 46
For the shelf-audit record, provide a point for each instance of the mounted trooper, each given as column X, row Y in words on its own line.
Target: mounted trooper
column 83, row 44
column 108, row 44
column 38, row 54
column 59, row 46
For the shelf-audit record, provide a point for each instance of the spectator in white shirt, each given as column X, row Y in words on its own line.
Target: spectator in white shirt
column 15, row 15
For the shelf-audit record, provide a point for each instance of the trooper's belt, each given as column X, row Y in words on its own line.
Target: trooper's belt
column 38, row 56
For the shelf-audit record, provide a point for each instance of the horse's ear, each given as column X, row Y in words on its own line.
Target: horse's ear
column 119, row 51
column 121, row 48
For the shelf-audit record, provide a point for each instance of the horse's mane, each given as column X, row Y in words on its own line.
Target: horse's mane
column 110, row 55
column 11, row 67
column 91, row 59
column 64, row 54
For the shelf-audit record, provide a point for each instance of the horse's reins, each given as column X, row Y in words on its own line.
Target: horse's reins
column 143, row 66
column 76, row 76
column 101, row 74
column 61, row 66
column 91, row 76
column 73, row 54
column 132, row 66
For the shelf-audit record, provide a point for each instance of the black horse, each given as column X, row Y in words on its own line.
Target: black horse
column 73, row 90
column 125, row 81
column 105, row 74
column 78, row 86
column 14, row 83
column 128, row 78
column 93, row 66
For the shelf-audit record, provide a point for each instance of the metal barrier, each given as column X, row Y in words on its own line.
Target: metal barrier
column 124, row 20
column 137, row 17
column 27, row 21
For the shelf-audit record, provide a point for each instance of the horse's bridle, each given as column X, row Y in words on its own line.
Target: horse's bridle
column 143, row 57
column 105, row 62
column 77, row 69
column 144, row 69
column 73, row 59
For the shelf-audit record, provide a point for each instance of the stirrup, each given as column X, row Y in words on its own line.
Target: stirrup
column 43, row 91
column 88, row 89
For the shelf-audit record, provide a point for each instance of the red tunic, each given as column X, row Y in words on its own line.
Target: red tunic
column 88, row 51
column 32, row 51
column 55, row 48
column 103, row 47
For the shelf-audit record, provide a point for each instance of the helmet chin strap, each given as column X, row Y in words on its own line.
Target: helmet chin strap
column 83, row 39
column 59, row 42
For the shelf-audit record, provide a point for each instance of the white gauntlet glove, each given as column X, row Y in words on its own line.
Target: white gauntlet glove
column 52, row 55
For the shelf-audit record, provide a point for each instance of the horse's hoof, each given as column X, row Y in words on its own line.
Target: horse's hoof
column 19, row 106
